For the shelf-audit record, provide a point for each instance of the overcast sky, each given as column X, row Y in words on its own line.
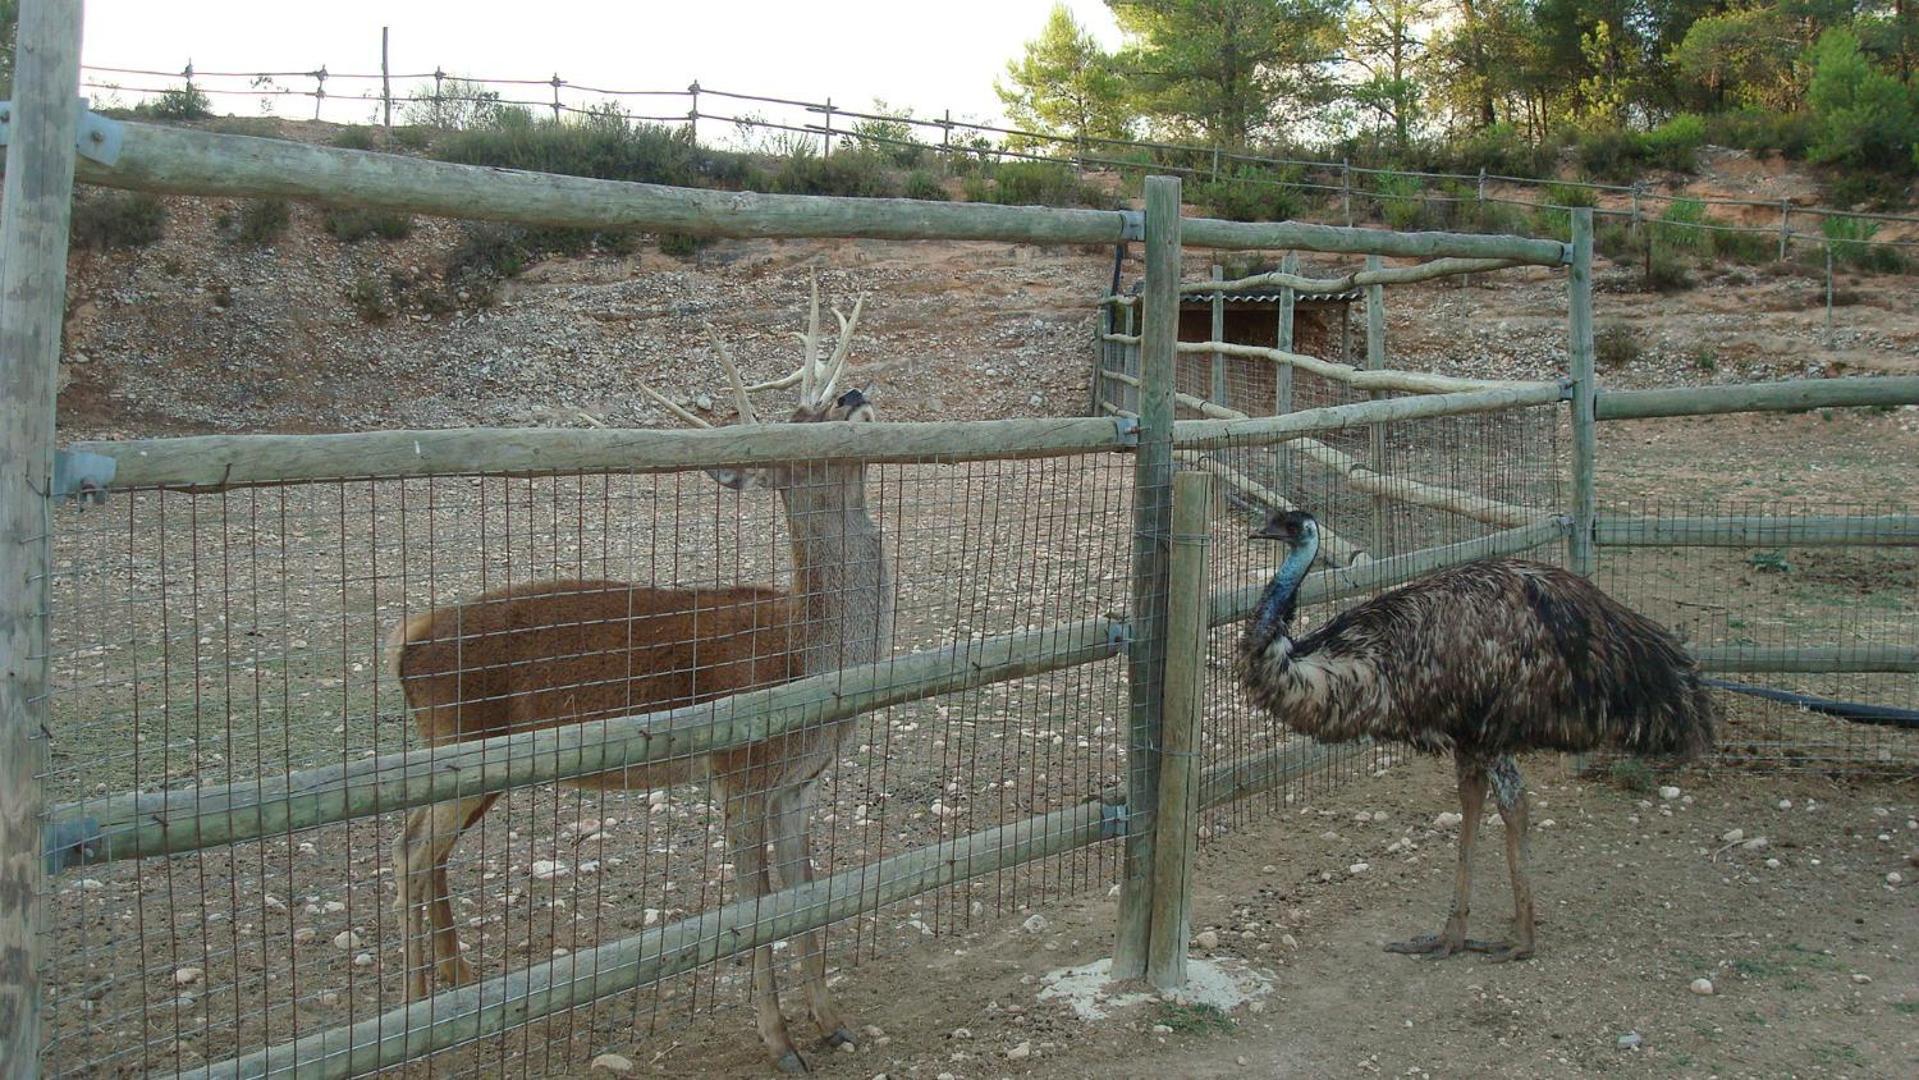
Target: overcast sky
column 925, row 56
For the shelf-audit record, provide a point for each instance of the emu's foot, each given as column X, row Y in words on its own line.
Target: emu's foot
column 841, row 1037
column 1435, row 946
column 1499, row 952
column 791, row 1062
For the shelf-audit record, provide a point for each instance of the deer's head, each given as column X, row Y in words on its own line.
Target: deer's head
column 821, row 399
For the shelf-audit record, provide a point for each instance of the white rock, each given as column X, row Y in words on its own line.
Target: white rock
column 1773, row 864
column 332, row 907
column 304, row 934
column 1363, row 818
column 1894, row 877
column 1379, row 815
column 1702, row 987
column 1548, row 823
column 346, row 939
column 1668, row 793
column 962, row 1033
column 1861, row 978
column 187, row 976
column 1020, row 1052
column 612, row 1063
column 651, row 917
column 1732, row 836
column 547, row 870
column 1162, row 1029
column 329, row 998
column 1785, row 804
column 1359, row 868
column 363, row 960
column 656, row 798
column 1631, row 1040
column 1289, row 941
column 91, row 884
column 1447, row 820
column 1757, row 843
column 1207, row 939
column 1035, row 924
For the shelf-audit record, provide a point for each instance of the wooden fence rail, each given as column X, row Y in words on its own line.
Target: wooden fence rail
column 1356, row 279
column 1412, row 382
column 1738, row 530
column 1788, row 395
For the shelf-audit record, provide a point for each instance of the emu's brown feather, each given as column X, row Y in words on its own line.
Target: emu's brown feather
column 1493, row 657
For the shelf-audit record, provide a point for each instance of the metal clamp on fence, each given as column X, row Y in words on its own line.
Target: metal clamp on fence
column 78, row 474
column 71, row 843
column 1126, row 430
column 1132, row 225
column 94, row 136
column 1115, row 820
column 1119, row 635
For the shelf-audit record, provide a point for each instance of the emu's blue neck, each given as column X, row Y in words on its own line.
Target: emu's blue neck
column 1277, row 603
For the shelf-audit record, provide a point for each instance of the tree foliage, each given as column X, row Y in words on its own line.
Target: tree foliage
column 1066, row 85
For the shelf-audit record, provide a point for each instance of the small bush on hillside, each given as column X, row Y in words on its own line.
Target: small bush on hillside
column 851, row 172
column 412, row 138
column 1679, row 228
column 1862, row 116
column 369, row 299
column 1851, row 240
column 353, row 138
column 923, row 185
column 1762, row 131
column 1873, row 188
column 1664, row 270
column 1610, row 154
column 1616, row 242
column 1398, row 195
column 117, row 219
column 262, row 221
column 350, row 225
column 1615, row 345
column 186, row 103
column 680, row 245
column 1632, row 775
column 605, row 147
column 1499, row 149
column 1675, row 144
column 1249, row 195
column 1033, row 183
column 1750, row 248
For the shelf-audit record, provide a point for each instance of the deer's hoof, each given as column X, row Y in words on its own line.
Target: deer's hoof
column 791, row 1062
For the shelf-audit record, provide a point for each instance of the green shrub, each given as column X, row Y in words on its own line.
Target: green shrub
column 1862, row 116
column 1679, row 228
column 1664, row 270
column 602, row 146
column 1750, row 248
column 1615, row 345
column 1874, row 188
column 412, row 138
column 186, row 103
column 851, row 172
column 353, row 138
column 351, row 224
column 1704, row 359
column 975, row 187
column 1250, row 195
column 923, row 185
column 117, row 219
column 369, row 298
column 1616, row 242
column 1851, row 240
column 890, row 138
column 262, row 221
column 1675, row 144
column 1042, row 183
column 1398, row 196
column 1762, row 131
column 1610, row 153
column 680, row 245
column 1631, row 774
column 1499, row 149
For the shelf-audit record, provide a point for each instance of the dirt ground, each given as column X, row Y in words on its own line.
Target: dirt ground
column 1807, row 945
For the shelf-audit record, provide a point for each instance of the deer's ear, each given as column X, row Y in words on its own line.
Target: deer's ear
column 742, row 479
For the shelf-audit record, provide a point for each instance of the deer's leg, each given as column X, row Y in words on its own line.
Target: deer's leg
column 424, row 901
column 792, row 845
column 1472, row 802
column 1509, row 792
column 746, row 823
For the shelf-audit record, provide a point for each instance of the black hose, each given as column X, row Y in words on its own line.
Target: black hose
column 1854, row 711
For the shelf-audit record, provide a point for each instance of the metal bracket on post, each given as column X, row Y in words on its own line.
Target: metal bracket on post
column 1119, row 635
column 1566, row 385
column 71, row 843
column 1126, row 430
column 82, row 476
column 1114, row 820
column 1132, row 225
column 95, row 137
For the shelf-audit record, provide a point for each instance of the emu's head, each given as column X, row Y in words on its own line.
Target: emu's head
column 1294, row 528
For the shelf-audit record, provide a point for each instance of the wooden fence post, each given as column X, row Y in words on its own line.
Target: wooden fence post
column 1785, row 229
column 1828, row 294
column 319, row 90
column 693, row 111
column 557, row 83
column 1152, row 519
column 1346, row 189
column 1633, row 228
column 1579, row 282
column 34, row 215
column 1283, row 337
column 1219, row 388
column 386, row 78
column 1176, row 825
column 829, row 127
column 1376, row 433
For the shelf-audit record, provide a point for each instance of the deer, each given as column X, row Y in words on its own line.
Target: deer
column 551, row 653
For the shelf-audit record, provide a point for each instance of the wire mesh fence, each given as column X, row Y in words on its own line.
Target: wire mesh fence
column 1748, row 604
column 209, row 639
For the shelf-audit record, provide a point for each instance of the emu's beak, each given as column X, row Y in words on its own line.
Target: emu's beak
column 1272, row 530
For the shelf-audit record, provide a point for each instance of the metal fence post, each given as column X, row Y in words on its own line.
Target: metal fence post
column 1176, row 825
column 1579, row 283
column 1152, row 520
column 34, row 215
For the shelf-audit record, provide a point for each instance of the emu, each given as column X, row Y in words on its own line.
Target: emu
column 555, row 653
column 1485, row 660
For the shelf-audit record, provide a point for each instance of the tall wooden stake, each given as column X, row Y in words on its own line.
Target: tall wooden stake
column 34, row 215
column 1585, row 391
column 1152, row 519
column 1176, row 826
column 386, row 76
column 1375, row 360
column 1219, row 390
column 1283, row 373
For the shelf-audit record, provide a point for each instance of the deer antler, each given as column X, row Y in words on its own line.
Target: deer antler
column 733, row 375
column 812, row 340
column 836, row 366
column 670, row 406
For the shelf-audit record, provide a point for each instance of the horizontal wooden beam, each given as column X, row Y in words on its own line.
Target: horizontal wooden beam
column 1810, row 661
column 183, row 161
column 1759, row 530
column 1294, row 235
column 139, row 824
column 1357, row 279
column 1414, row 492
column 217, row 461
column 1204, row 434
column 1121, row 339
column 1232, row 605
column 1787, row 396
column 1198, row 404
column 1412, row 382
column 504, row 1002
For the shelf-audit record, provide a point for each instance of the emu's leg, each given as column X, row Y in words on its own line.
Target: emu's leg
column 425, row 908
column 1509, row 791
column 746, row 824
column 792, row 844
column 1472, row 802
